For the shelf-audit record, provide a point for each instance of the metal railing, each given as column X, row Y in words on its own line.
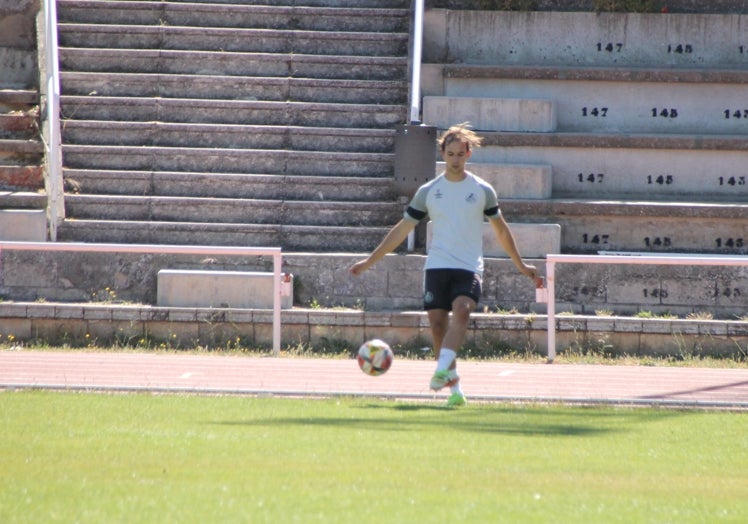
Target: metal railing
column 53, row 143
column 275, row 252
column 417, row 51
column 623, row 258
column 415, row 83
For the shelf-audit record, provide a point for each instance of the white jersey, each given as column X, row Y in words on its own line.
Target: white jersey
column 457, row 211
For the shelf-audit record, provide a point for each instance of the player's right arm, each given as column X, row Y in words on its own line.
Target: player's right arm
column 394, row 238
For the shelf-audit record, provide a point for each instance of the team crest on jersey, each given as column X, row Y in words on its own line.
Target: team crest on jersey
column 471, row 198
column 438, row 194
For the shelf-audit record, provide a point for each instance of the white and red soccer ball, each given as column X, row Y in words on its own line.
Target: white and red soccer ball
column 375, row 357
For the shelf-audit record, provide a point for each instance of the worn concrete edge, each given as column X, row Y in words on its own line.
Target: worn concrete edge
column 303, row 325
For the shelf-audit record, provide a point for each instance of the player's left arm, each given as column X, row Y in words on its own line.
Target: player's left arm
column 505, row 237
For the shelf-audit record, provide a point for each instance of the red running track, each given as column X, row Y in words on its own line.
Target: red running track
column 407, row 379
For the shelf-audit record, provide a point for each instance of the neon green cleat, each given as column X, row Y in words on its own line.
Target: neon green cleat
column 456, row 399
column 442, row 379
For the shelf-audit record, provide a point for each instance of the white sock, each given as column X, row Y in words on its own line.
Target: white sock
column 446, row 357
column 456, row 389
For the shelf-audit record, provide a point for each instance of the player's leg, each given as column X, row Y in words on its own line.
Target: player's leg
column 437, row 301
column 439, row 323
column 465, row 287
column 456, row 329
column 462, row 307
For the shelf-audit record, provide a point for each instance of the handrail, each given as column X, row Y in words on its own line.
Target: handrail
column 415, row 82
column 82, row 247
column 53, row 144
column 665, row 259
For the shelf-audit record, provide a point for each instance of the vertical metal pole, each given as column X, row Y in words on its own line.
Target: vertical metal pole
column 53, row 181
column 550, row 277
column 415, row 84
column 276, row 303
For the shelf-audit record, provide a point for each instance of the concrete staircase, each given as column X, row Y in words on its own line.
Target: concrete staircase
column 641, row 120
column 22, row 199
column 232, row 122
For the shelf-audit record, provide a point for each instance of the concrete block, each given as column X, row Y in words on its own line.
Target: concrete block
column 236, row 289
column 527, row 181
column 23, row 225
column 621, row 106
column 533, row 240
column 491, row 114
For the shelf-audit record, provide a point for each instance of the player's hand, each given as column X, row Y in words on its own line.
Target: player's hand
column 532, row 273
column 359, row 267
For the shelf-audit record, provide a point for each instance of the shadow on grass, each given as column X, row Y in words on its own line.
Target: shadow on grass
column 506, row 420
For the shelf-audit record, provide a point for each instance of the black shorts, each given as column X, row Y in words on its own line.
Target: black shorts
column 442, row 286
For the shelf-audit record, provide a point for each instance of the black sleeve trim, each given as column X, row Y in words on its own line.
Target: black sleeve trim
column 415, row 214
column 491, row 212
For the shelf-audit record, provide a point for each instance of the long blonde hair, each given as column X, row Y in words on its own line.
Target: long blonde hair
column 461, row 133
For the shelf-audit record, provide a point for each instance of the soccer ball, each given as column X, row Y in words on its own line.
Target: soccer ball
column 375, row 357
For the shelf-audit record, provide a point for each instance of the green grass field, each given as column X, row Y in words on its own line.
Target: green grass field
column 99, row 458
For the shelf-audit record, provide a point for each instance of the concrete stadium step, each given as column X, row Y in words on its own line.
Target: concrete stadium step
column 233, row 210
column 526, row 181
column 21, row 177
column 491, row 114
column 318, row 239
column 653, row 166
column 240, row 64
column 19, row 124
column 386, row 4
column 232, row 112
column 658, row 40
column 624, row 100
column 22, row 200
column 17, row 99
column 21, row 150
column 228, row 136
column 591, row 226
column 216, row 160
column 222, row 87
column 233, row 15
column 17, row 152
column 233, row 39
column 220, row 185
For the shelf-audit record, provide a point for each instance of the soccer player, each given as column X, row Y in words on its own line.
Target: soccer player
column 456, row 202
